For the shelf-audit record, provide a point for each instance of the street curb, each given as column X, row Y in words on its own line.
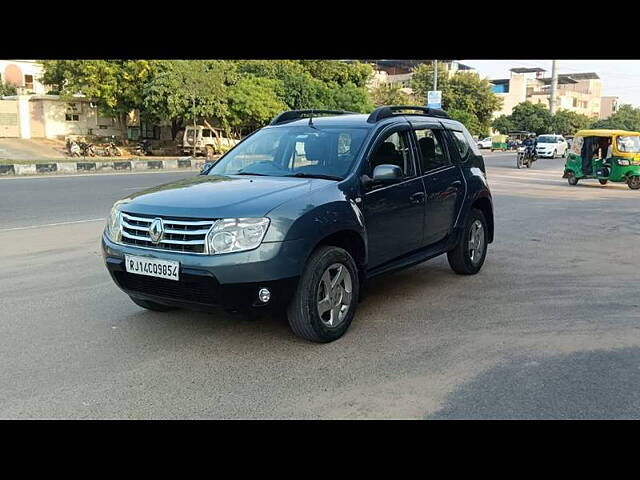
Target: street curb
column 88, row 167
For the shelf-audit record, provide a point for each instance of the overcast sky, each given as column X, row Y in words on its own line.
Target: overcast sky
column 620, row 78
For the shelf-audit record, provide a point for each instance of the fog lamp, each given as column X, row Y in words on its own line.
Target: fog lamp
column 264, row 295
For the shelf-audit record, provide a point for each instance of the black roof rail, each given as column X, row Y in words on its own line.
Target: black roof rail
column 388, row 111
column 295, row 114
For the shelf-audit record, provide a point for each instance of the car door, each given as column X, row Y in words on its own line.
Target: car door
column 394, row 214
column 562, row 146
column 442, row 179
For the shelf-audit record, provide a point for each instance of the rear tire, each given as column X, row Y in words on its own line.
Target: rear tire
column 634, row 182
column 327, row 266
column 468, row 256
column 572, row 179
column 153, row 306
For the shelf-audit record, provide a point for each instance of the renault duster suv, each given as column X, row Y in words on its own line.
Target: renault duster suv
column 302, row 212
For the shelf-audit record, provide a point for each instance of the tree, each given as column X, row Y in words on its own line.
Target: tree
column 626, row 118
column 566, row 122
column 531, row 117
column 185, row 90
column 342, row 73
column 253, row 101
column 115, row 85
column 389, row 95
column 318, row 84
column 7, row 89
column 462, row 92
column 422, row 80
column 503, row 124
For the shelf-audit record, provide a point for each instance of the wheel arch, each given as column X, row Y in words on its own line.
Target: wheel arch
column 485, row 206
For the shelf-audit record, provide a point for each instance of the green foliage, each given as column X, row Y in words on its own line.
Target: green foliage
column 342, row 73
column 253, row 101
column 626, row 118
column 7, row 89
column 503, row 124
column 389, row 95
column 566, row 122
column 537, row 118
column 188, row 89
column 464, row 93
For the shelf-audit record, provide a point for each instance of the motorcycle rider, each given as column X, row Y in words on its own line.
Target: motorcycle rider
column 530, row 144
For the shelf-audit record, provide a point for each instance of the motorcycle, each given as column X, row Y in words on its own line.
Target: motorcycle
column 526, row 156
column 74, row 149
column 87, row 149
column 111, row 149
column 143, row 148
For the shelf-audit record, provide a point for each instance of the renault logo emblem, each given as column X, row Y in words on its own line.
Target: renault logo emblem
column 156, row 229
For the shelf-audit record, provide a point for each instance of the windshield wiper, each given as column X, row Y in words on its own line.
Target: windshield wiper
column 250, row 173
column 315, row 175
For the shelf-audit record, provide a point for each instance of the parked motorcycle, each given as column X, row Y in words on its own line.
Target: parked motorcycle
column 143, row 148
column 111, row 149
column 74, row 149
column 87, row 149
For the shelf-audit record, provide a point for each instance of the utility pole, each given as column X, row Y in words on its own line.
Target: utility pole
column 554, row 86
column 435, row 75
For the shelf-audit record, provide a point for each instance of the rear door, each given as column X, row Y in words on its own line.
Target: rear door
column 442, row 179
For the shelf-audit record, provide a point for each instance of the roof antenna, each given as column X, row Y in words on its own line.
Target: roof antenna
column 311, row 119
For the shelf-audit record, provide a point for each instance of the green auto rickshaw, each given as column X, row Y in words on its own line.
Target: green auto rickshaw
column 499, row 142
column 604, row 155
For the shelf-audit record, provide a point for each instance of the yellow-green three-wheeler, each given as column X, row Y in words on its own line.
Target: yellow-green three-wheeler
column 606, row 156
column 499, row 142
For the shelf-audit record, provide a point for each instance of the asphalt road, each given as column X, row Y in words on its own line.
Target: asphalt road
column 548, row 329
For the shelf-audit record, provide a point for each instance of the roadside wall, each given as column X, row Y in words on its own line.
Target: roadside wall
column 9, row 120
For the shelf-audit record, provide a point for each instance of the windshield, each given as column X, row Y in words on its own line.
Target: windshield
column 547, row 139
column 294, row 151
column 629, row 144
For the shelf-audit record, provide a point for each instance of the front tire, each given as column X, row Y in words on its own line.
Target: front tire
column 602, row 181
column 468, row 256
column 572, row 179
column 327, row 295
column 153, row 306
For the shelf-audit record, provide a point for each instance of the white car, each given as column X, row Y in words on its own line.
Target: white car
column 485, row 143
column 551, row 146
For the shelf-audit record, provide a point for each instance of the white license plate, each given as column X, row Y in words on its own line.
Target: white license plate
column 152, row 267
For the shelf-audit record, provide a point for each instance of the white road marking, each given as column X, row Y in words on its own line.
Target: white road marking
column 52, row 224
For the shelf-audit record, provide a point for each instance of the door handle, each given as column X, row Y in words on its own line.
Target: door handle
column 417, row 197
column 457, row 183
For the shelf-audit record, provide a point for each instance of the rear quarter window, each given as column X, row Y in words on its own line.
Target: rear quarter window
column 464, row 143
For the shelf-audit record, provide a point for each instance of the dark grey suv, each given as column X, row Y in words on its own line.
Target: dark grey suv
column 300, row 213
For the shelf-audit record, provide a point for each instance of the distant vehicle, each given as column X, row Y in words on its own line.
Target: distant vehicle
column 485, row 143
column 207, row 141
column 551, row 146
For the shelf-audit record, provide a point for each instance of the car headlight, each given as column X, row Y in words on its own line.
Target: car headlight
column 114, row 225
column 236, row 234
column 622, row 162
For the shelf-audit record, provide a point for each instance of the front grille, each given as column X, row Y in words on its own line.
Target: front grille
column 191, row 288
column 180, row 234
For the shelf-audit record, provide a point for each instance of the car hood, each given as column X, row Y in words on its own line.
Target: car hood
column 219, row 196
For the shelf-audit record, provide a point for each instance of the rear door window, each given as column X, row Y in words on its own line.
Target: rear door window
column 432, row 154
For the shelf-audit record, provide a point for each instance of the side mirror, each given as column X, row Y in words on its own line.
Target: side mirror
column 387, row 174
column 206, row 167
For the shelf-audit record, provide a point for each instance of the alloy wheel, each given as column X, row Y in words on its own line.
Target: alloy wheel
column 334, row 295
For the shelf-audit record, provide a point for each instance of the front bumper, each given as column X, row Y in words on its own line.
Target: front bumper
column 230, row 280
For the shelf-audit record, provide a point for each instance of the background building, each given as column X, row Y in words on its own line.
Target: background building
column 22, row 74
column 608, row 106
column 577, row 92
